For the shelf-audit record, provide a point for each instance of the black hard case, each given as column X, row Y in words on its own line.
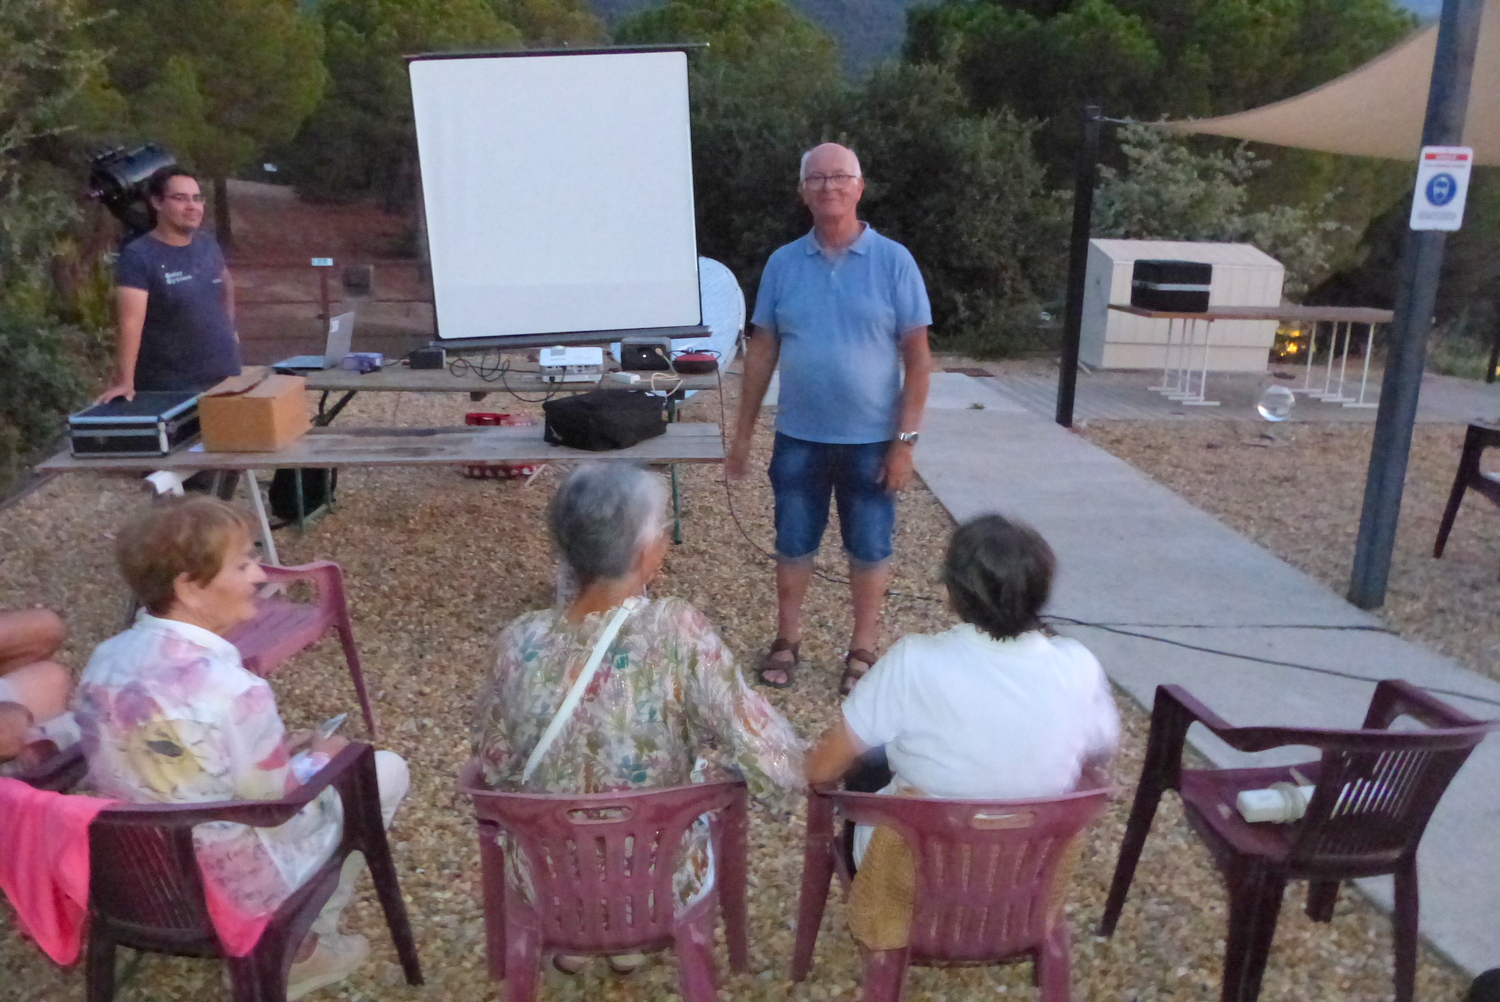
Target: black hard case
column 153, row 424
column 1171, row 286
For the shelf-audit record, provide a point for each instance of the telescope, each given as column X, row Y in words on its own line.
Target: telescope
column 117, row 178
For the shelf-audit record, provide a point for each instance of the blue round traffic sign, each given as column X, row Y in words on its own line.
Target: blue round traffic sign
column 1441, row 189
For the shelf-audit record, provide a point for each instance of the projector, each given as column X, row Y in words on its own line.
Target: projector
column 571, row 365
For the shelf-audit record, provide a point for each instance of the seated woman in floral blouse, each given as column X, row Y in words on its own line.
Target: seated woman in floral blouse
column 170, row 716
column 667, row 705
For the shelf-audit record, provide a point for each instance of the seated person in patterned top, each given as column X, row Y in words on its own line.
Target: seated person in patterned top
column 170, row 716
column 667, row 706
column 992, row 709
column 33, row 688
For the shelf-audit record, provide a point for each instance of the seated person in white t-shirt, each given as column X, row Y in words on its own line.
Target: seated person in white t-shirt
column 993, row 709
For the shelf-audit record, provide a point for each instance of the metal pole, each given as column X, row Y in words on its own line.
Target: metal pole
column 1489, row 373
column 1084, row 174
column 1416, row 296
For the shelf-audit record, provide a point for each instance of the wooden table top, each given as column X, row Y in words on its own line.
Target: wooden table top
column 1284, row 314
column 402, row 378
column 682, row 443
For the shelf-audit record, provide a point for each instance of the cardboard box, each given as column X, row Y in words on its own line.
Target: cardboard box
column 256, row 411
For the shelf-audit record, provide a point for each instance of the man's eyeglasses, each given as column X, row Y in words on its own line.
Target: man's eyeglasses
column 183, row 198
column 838, row 182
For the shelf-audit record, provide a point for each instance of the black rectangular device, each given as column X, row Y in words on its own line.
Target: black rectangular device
column 153, row 424
column 1171, row 286
column 646, row 354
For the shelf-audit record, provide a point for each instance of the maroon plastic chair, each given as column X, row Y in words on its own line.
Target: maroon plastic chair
column 986, row 876
column 59, row 772
column 282, row 628
column 602, row 867
column 146, row 891
column 1375, row 791
column 1480, row 436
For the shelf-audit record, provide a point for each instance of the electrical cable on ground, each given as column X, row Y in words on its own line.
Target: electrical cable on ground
column 1112, row 627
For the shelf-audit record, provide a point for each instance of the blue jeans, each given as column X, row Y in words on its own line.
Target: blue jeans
column 805, row 474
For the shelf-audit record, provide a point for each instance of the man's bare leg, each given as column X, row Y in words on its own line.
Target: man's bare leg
column 867, row 587
column 28, row 636
column 32, row 688
column 792, row 579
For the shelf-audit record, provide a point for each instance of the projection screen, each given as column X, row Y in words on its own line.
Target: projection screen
column 558, row 192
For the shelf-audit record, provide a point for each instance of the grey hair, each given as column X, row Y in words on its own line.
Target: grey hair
column 602, row 515
column 802, row 167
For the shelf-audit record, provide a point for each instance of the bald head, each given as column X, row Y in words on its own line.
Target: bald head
column 829, row 158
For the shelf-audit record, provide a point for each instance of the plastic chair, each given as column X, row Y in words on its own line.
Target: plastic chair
column 283, row 628
column 1480, row 436
column 602, row 867
column 986, row 882
column 146, row 891
column 59, row 773
column 1375, row 791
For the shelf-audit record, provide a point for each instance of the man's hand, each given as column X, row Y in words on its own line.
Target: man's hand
column 737, row 462
column 120, row 388
column 895, row 474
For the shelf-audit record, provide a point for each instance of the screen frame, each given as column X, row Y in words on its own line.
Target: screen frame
column 527, row 341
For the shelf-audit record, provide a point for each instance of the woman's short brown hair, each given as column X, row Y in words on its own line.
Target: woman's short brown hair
column 999, row 575
column 190, row 536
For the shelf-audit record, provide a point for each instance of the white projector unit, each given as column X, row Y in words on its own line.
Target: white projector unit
column 571, row 365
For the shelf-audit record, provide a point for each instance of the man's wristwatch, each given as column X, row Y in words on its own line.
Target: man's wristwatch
column 908, row 437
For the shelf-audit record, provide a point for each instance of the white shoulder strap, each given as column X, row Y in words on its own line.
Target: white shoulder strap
column 575, row 694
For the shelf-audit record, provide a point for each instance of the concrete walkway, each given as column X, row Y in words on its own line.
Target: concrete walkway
column 1133, row 554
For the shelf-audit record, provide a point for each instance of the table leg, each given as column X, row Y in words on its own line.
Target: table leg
column 1312, row 351
column 676, row 508
column 327, row 414
column 1199, row 399
column 258, row 503
column 1165, row 386
column 1364, row 379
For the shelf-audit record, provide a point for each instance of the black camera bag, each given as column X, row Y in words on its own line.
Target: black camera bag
column 605, row 419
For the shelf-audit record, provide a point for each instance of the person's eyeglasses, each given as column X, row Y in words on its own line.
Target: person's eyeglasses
column 838, row 182
column 183, row 198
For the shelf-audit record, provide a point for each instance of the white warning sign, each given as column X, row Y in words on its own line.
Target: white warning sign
column 1442, row 186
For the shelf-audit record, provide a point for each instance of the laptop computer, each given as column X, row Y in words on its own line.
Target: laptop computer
column 340, row 333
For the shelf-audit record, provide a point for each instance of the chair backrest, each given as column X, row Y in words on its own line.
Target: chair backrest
column 1377, row 788
column 601, row 864
column 143, row 876
column 987, row 872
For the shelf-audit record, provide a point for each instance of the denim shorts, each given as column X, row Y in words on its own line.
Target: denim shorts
column 805, row 474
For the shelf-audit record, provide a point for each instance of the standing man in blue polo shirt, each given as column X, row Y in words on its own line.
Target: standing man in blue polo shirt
column 845, row 311
column 174, row 298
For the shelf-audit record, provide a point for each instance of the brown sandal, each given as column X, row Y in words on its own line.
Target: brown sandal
column 769, row 663
column 850, row 678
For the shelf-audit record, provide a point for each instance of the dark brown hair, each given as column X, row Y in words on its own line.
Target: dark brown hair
column 156, row 184
column 999, row 575
column 191, row 536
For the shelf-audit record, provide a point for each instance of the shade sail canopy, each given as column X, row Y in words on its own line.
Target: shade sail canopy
column 1377, row 109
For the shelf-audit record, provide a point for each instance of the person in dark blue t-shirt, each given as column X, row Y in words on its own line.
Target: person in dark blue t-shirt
column 174, row 297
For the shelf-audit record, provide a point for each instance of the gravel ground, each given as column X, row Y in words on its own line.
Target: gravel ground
column 436, row 564
column 1299, row 494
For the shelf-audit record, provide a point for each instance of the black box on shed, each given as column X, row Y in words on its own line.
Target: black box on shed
column 1171, row 286
column 153, row 424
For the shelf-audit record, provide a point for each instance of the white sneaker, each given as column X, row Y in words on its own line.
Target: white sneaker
column 334, row 959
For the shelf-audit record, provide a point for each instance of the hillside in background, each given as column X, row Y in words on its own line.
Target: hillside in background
column 870, row 30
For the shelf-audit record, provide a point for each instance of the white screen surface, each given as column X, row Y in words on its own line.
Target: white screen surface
column 558, row 191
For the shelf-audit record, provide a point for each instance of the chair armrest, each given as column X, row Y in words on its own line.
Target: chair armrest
column 1184, row 710
column 341, row 772
column 1395, row 697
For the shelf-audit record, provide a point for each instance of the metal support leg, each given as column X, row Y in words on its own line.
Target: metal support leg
column 1364, row 378
column 268, row 543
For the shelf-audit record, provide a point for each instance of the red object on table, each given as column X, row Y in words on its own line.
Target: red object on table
column 1375, row 791
column 985, row 879
column 282, row 628
column 499, row 471
column 608, row 886
column 146, row 891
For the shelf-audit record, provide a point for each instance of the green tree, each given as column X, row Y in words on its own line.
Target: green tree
column 53, row 99
column 762, row 93
column 965, row 194
column 217, row 82
column 552, row 22
column 1170, row 192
